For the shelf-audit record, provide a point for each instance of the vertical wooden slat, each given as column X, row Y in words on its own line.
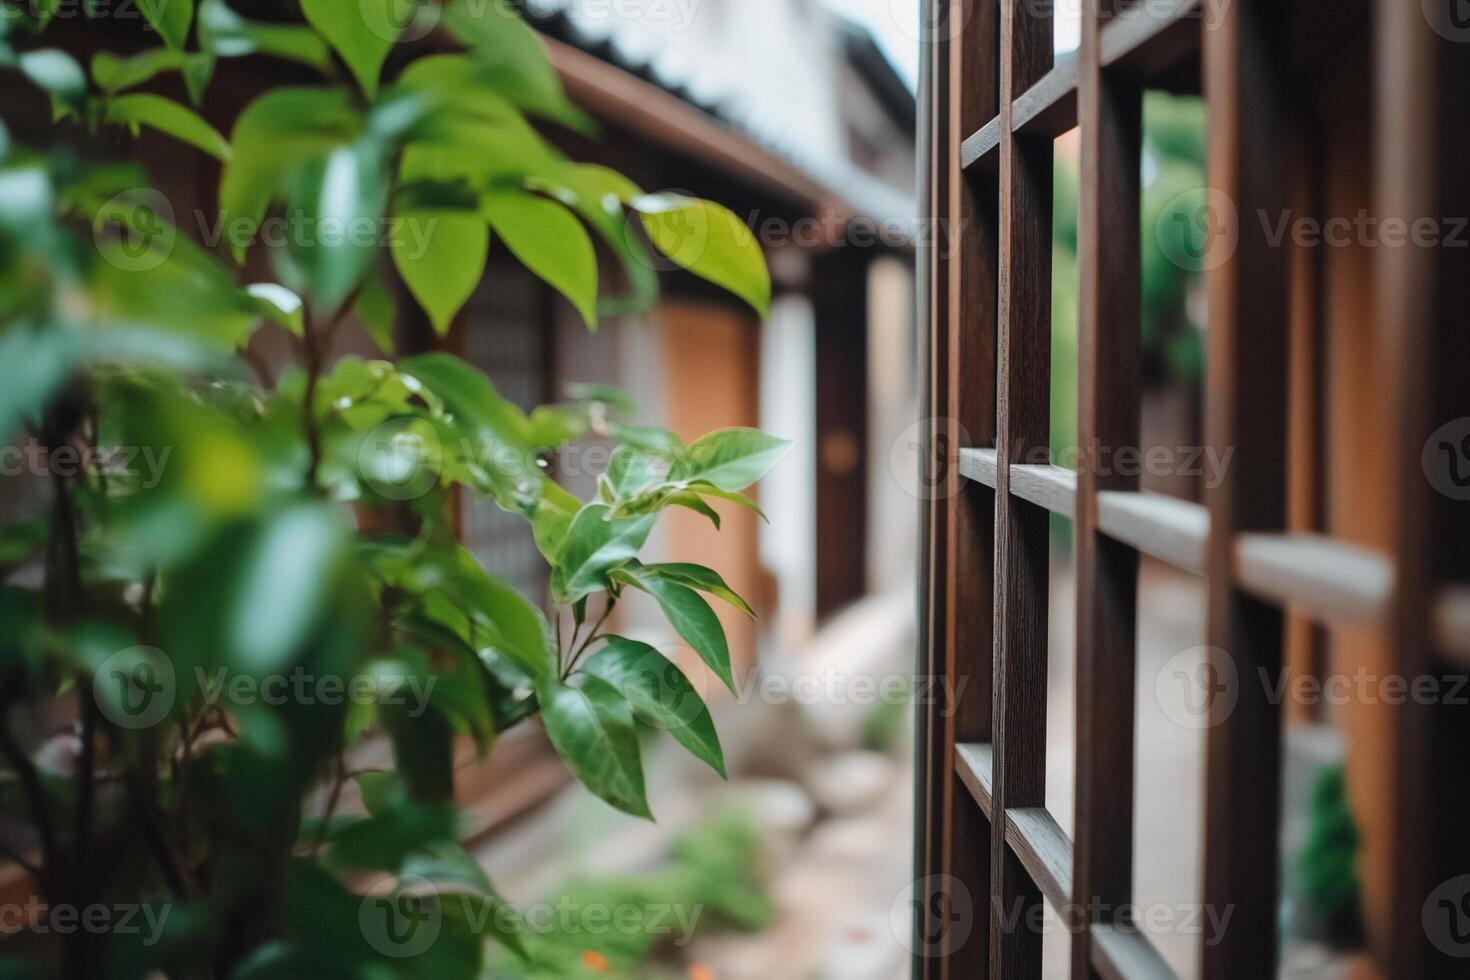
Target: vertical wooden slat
column 1021, row 576
column 932, row 782
column 1110, row 117
column 953, row 940
column 1306, row 640
column 1422, row 149
column 974, row 272
column 1245, row 411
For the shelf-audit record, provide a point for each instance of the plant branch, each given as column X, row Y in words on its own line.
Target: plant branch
column 316, row 350
column 312, row 355
column 30, row 781
column 141, row 790
column 332, row 800
column 592, row 635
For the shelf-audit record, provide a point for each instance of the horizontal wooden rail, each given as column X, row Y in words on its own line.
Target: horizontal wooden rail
column 1031, row 833
column 979, row 465
column 1126, row 954
column 1052, row 488
column 1157, row 525
column 1149, row 37
column 980, row 147
column 1330, row 580
column 1326, row 578
column 1048, row 108
column 1044, row 850
column 974, row 762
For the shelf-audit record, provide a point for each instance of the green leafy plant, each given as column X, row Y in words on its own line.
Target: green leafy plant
column 615, row 926
column 1328, row 864
column 281, row 585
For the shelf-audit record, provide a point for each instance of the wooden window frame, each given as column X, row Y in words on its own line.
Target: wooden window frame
column 985, row 840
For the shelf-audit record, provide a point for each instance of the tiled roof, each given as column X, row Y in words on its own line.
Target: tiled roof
column 770, row 119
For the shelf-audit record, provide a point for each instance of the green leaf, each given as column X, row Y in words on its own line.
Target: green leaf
column 591, row 727
column 497, row 433
column 378, row 789
column 704, row 489
column 113, row 74
column 692, row 501
column 377, row 311
column 514, row 57
column 550, row 241
column 732, row 459
column 512, row 625
column 709, row 241
column 198, row 70
column 280, row 131
column 357, row 33
column 44, row 10
column 337, row 197
column 471, row 132
column 703, row 579
column 552, row 518
column 691, row 617
column 599, row 194
column 58, row 74
column 362, row 34
column 441, row 255
column 557, row 425
column 423, row 751
column 167, row 116
column 279, row 304
column 386, row 840
column 279, row 591
column 610, row 395
column 257, row 592
column 168, row 282
column 595, row 544
column 226, row 34
column 631, row 471
column 171, row 18
column 33, row 365
column 660, row 695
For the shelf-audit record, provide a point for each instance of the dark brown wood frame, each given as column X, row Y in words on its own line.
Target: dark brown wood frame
column 986, row 845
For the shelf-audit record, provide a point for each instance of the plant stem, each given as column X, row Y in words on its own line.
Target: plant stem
column 592, row 634
column 332, row 798
column 313, row 357
column 30, row 781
